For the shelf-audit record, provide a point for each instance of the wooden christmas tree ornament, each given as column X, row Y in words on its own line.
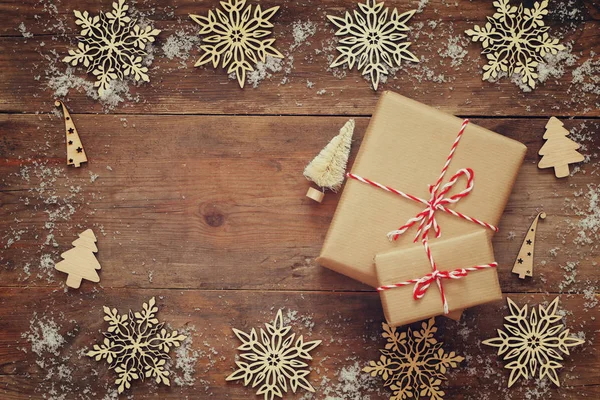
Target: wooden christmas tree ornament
column 328, row 168
column 524, row 262
column 75, row 150
column 80, row 262
column 558, row 151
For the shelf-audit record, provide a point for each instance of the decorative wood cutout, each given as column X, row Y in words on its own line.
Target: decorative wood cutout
column 524, row 262
column 515, row 40
column 328, row 168
column 533, row 341
column 112, row 46
column 75, row 151
column 136, row 346
column 559, row 151
column 237, row 36
column 273, row 360
column 374, row 39
column 413, row 364
column 80, row 262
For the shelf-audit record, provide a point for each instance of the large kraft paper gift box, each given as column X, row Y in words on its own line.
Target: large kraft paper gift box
column 405, row 147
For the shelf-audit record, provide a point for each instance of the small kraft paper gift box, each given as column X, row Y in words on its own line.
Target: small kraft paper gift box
column 452, row 256
column 424, row 171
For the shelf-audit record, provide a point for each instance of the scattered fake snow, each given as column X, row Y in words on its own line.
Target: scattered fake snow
column 301, row 31
column 44, row 336
column 24, row 31
column 180, row 45
column 264, row 70
column 185, row 359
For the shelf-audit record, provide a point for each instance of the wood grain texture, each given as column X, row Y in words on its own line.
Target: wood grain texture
column 195, row 191
column 178, row 88
column 205, row 194
column 348, row 323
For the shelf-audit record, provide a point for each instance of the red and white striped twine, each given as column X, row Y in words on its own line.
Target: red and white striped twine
column 426, row 220
column 421, row 285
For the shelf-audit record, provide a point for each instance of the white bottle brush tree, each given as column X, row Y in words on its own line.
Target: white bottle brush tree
column 559, row 151
column 80, row 262
column 328, row 168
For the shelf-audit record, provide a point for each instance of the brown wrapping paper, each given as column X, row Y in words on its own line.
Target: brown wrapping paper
column 465, row 251
column 405, row 147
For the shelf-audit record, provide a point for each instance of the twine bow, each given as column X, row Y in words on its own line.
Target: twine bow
column 437, row 201
column 426, row 220
column 423, row 283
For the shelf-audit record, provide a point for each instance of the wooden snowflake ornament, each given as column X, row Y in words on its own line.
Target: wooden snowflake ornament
column 273, row 360
column 236, row 37
column 533, row 342
column 136, row 346
column 374, row 39
column 112, row 46
column 515, row 41
column 75, row 151
column 413, row 364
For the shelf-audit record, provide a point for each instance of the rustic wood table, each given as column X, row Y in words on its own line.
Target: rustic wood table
column 194, row 188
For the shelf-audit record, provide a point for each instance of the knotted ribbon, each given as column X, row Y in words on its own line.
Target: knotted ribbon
column 426, row 220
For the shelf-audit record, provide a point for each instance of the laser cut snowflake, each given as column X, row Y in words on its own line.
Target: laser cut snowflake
column 273, row 360
column 136, row 346
column 374, row 41
column 237, row 36
column 413, row 363
column 515, row 40
column 532, row 341
column 111, row 46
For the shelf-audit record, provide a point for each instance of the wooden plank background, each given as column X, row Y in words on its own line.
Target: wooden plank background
column 195, row 190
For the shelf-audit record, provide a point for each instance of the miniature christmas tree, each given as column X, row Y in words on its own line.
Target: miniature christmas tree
column 80, row 262
column 558, row 151
column 328, row 168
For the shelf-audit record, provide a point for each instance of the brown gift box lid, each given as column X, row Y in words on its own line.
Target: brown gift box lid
column 465, row 251
column 405, row 147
